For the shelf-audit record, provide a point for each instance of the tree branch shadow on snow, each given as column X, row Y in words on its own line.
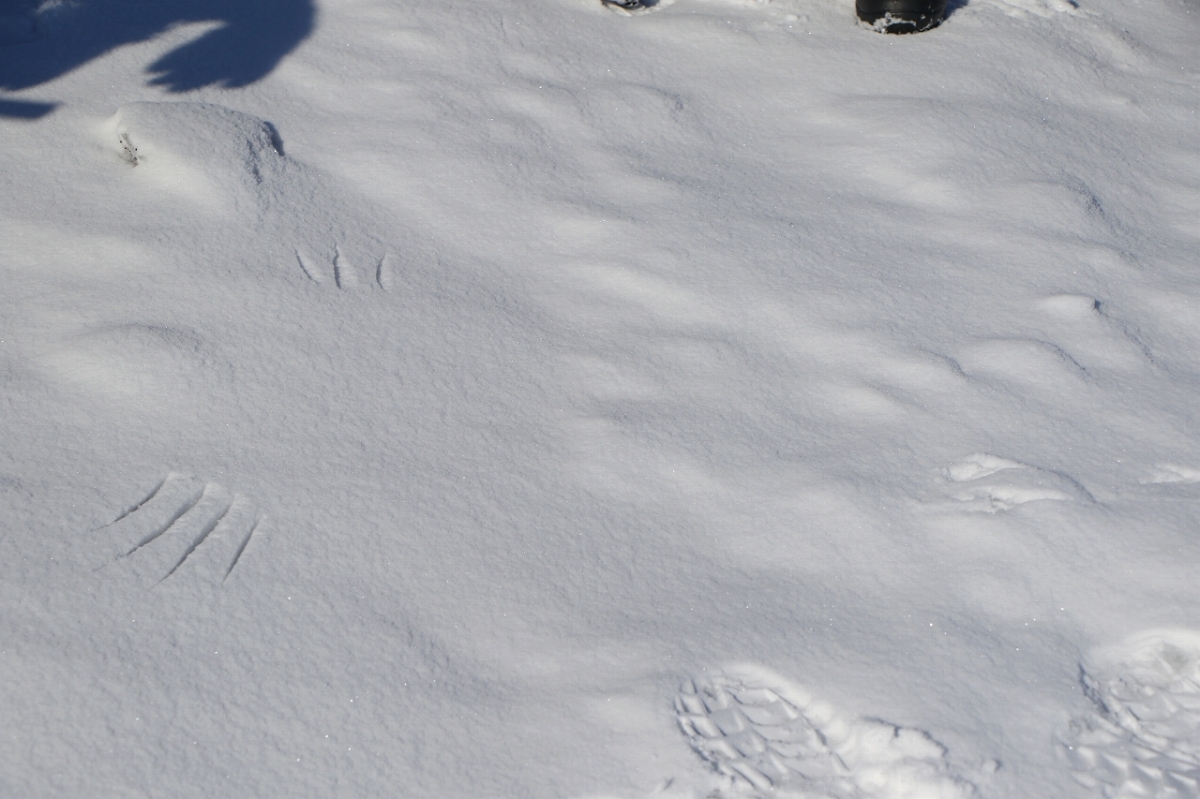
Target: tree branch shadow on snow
column 24, row 109
column 41, row 40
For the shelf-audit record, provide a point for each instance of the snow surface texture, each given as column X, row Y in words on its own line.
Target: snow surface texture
column 405, row 399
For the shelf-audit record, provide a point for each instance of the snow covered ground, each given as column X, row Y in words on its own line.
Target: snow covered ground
column 519, row 398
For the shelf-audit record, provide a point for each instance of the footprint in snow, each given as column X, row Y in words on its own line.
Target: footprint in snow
column 990, row 484
column 1168, row 473
column 161, row 367
column 228, row 171
column 184, row 530
column 770, row 737
column 1142, row 737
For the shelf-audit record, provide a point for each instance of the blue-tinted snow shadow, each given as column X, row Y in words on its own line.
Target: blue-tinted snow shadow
column 25, row 109
column 251, row 37
column 955, row 5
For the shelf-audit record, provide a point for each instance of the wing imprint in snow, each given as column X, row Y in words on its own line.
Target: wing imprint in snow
column 344, row 272
column 184, row 526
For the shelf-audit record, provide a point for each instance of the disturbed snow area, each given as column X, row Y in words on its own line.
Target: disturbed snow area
column 525, row 399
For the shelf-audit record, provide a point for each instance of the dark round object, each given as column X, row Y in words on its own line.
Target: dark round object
column 901, row 16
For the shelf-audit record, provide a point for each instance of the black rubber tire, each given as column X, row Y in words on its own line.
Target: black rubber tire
column 901, row 16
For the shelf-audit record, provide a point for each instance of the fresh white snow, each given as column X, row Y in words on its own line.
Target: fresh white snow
column 520, row 398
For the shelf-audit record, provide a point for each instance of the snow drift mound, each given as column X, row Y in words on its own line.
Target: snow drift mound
column 208, row 152
column 215, row 166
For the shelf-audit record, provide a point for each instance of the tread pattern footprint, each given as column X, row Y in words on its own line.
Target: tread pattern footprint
column 1142, row 738
column 184, row 527
column 770, row 737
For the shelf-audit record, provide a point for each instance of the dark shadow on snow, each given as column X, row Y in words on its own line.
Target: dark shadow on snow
column 24, row 109
column 41, row 41
column 955, row 5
